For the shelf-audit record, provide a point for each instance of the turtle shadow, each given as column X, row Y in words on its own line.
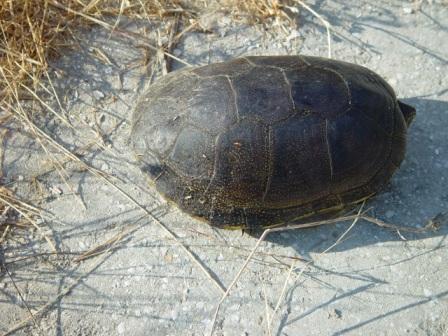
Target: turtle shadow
column 417, row 193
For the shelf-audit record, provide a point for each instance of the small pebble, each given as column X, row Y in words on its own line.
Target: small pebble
column 408, row 10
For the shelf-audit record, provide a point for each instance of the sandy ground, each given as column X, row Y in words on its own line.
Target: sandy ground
column 374, row 282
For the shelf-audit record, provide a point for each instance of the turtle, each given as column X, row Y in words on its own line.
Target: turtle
column 262, row 141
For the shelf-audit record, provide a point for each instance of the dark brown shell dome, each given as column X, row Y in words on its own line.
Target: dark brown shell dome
column 259, row 141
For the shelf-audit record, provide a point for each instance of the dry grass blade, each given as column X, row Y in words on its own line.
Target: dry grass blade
column 101, row 248
column 321, row 19
column 32, row 221
column 10, row 202
column 169, row 232
column 282, row 293
column 28, row 208
column 266, row 308
column 4, row 234
column 292, row 268
column 21, row 115
column 354, row 218
column 258, row 11
column 41, row 135
column 31, row 32
column 113, row 29
column 42, row 310
column 33, row 319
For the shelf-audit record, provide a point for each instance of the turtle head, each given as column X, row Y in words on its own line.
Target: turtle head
column 408, row 112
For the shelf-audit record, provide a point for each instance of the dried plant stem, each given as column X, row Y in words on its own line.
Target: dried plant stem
column 282, row 293
column 33, row 222
column 266, row 308
column 18, row 56
column 2, row 238
column 171, row 42
column 39, row 134
column 324, row 22
column 46, row 105
column 31, row 317
column 111, row 28
column 60, row 169
column 100, row 175
column 28, row 207
column 58, row 297
column 101, row 248
column 355, row 218
column 168, row 231
column 291, row 269
column 21, row 115
column 235, row 279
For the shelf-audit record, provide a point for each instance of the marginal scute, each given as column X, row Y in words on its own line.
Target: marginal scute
column 398, row 139
column 280, row 62
column 173, row 85
column 263, row 94
column 367, row 96
column 235, row 67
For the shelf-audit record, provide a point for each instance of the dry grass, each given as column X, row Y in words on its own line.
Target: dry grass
column 17, row 214
column 32, row 33
column 259, row 11
column 35, row 31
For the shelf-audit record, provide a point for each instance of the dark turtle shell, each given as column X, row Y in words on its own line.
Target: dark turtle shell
column 261, row 141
